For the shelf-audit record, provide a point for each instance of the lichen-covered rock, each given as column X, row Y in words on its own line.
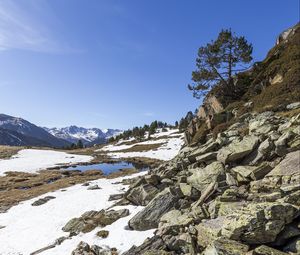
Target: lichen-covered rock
column 142, row 194
column 175, row 218
column 290, row 166
column 224, row 246
column 151, row 246
column 209, row 230
column 237, row 149
column 248, row 173
column 92, row 219
column 202, row 177
column 259, row 223
column 149, row 217
column 266, row 250
column 86, row 249
column 42, row 201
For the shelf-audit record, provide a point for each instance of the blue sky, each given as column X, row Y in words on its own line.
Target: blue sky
column 118, row 63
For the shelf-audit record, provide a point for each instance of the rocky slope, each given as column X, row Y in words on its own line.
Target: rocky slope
column 235, row 188
column 236, row 194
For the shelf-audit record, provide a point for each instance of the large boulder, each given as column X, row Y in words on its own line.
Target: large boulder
column 202, row 177
column 248, row 173
column 259, row 223
column 238, row 149
column 266, row 250
column 150, row 216
column 209, row 230
column 175, row 218
column 142, row 194
column 92, row 219
column 224, row 246
column 290, row 166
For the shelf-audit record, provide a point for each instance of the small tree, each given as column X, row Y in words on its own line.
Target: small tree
column 79, row 144
column 218, row 61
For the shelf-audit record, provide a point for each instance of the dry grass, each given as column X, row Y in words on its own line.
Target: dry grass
column 289, row 114
column 142, row 147
column 17, row 186
column 8, row 151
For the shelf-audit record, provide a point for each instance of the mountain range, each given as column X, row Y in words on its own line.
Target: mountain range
column 89, row 136
column 19, row 132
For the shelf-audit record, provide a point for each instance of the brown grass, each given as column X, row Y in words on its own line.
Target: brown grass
column 17, row 186
column 290, row 113
column 8, row 151
column 142, row 147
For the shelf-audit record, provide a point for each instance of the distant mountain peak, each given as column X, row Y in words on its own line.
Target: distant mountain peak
column 89, row 136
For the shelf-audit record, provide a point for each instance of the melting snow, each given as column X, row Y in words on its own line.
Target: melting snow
column 168, row 150
column 29, row 228
column 31, row 161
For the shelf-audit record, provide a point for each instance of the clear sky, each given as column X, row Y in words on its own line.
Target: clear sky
column 118, row 63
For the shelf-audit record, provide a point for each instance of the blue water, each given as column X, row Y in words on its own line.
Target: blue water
column 108, row 168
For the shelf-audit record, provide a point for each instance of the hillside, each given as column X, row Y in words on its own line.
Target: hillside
column 270, row 85
column 163, row 145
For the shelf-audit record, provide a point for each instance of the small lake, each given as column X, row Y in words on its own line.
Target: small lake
column 108, row 168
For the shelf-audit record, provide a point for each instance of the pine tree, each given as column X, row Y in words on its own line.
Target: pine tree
column 79, row 144
column 219, row 61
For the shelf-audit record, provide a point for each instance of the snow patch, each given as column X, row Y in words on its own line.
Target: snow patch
column 31, row 161
column 29, row 228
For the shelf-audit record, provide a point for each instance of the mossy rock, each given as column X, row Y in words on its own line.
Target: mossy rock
column 103, row 233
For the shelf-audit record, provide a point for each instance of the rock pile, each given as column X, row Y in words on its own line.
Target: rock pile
column 235, row 194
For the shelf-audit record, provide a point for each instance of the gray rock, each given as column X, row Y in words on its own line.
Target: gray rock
column 42, row 201
column 92, row 219
column 209, row 230
column 293, row 246
column 142, row 194
column 281, row 143
column 207, row 157
column 293, row 106
column 289, row 166
column 259, row 223
column 266, row 250
column 114, row 197
column 237, row 149
column 247, row 173
column 223, row 246
column 86, row 249
column 174, row 218
column 202, row 177
column 94, row 187
column 150, row 216
column 151, row 246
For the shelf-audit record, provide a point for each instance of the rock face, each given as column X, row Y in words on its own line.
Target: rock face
column 234, row 194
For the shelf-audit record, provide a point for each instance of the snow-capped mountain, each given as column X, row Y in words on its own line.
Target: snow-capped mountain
column 88, row 136
column 17, row 131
